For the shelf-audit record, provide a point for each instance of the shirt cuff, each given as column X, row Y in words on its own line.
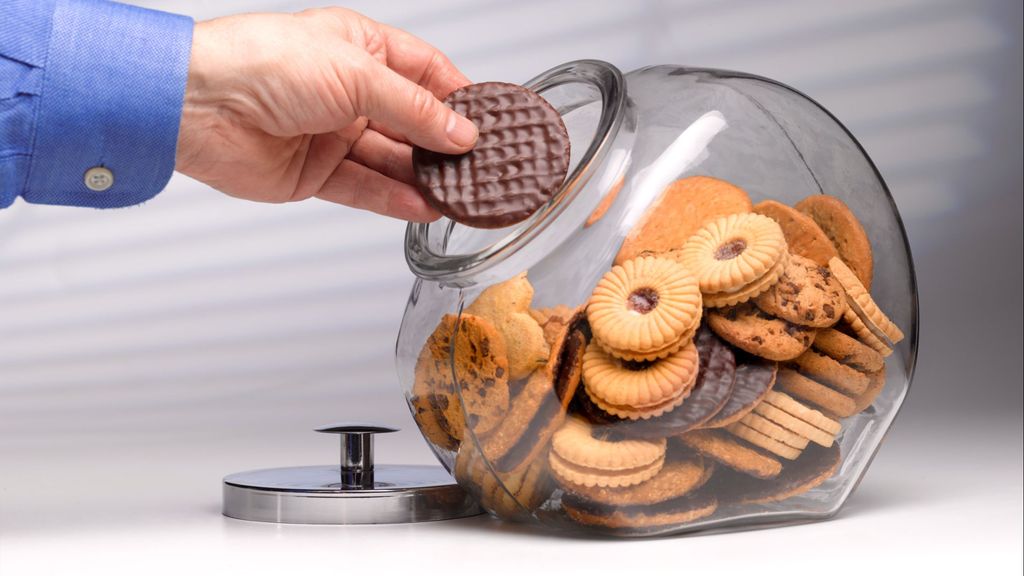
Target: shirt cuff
column 110, row 105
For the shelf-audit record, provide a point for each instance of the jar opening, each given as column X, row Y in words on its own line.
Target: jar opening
column 591, row 97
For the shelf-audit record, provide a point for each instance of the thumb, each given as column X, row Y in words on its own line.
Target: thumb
column 386, row 97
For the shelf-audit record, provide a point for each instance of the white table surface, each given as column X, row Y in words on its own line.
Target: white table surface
column 940, row 497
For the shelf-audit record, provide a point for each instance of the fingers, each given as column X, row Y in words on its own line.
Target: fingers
column 384, row 96
column 421, row 63
column 360, row 187
column 380, row 153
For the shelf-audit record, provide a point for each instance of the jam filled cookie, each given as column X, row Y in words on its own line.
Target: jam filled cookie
column 803, row 235
column 848, row 236
column 579, row 455
column 644, row 309
column 638, row 390
column 806, row 294
column 667, row 499
column 735, row 257
column 684, row 206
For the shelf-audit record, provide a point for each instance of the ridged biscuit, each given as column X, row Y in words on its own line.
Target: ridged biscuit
column 578, row 457
column 733, row 251
column 645, row 306
column 637, row 390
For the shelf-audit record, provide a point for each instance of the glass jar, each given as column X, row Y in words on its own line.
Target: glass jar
column 554, row 418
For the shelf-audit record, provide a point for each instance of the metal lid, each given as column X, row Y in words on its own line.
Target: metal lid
column 354, row 492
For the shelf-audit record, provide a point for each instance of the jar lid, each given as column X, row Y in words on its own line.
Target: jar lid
column 353, row 492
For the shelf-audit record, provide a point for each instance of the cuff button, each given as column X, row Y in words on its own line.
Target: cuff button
column 99, row 179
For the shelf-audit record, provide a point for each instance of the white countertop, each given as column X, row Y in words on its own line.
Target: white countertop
column 936, row 500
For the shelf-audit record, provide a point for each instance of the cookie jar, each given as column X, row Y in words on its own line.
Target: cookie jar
column 712, row 324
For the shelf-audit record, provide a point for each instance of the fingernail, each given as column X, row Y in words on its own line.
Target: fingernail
column 461, row 131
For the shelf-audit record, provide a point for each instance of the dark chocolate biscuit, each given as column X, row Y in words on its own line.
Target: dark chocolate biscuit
column 714, row 386
column 814, row 466
column 754, row 379
column 519, row 162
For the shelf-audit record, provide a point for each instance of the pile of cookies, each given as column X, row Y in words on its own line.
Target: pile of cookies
column 711, row 367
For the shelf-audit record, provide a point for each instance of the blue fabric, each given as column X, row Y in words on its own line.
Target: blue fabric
column 87, row 83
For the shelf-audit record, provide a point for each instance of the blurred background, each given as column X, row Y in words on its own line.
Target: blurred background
column 197, row 335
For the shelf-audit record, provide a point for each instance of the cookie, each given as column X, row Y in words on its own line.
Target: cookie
column 640, row 519
column 518, row 164
column 853, row 325
column 801, row 411
column 514, row 495
column 636, row 390
column 506, row 306
column 539, row 409
column 813, row 468
column 429, row 411
column 715, row 378
column 481, row 370
column 734, row 252
column 790, row 422
column 803, row 236
column 825, row 370
column 863, row 307
column 763, row 441
column 682, row 474
column 806, row 294
column 682, row 209
column 606, row 203
column 754, row 380
column 799, row 386
column 774, row 431
column 553, row 320
column 644, row 309
column 749, row 328
column 726, row 449
column 837, row 221
column 722, row 299
column 848, row 351
column 875, row 386
column 578, row 456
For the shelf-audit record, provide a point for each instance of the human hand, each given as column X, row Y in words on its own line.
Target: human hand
column 324, row 103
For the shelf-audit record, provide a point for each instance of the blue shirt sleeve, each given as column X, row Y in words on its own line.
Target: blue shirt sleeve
column 89, row 84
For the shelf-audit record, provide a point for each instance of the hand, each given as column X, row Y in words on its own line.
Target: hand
column 324, row 103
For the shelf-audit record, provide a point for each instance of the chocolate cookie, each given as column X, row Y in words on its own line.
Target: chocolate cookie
column 751, row 329
column 815, row 466
column 806, row 294
column 715, row 379
column 518, row 164
column 754, row 379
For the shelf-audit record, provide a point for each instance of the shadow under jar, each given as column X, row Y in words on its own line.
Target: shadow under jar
column 537, row 403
